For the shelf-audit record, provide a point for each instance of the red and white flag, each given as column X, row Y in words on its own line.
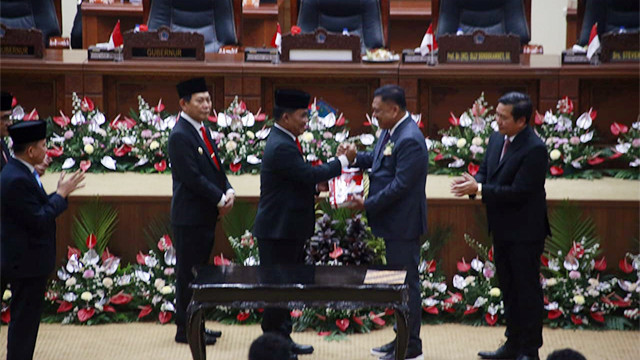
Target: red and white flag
column 277, row 39
column 429, row 42
column 594, row 41
column 115, row 39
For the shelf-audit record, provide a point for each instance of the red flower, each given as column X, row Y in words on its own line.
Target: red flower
column 376, row 319
column 620, row 302
column 242, row 316
column 600, row 265
column 212, row 119
column 165, row 242
column 336, row 253
column 62, row 120
column 144, row 27
column 85, row 165
column 471, row 310
column 449, row 309
column 316, row 162
column 86, row 314
column 71, row 251
column 576, row 320
column 87, row 104
column 473, row 168
column 341, row 120
column 595, row 161
column 491, row 319
column 14, row 102
column 243, row 106
column 438, row 157
column 64, row 307
column 617, row 129
column 593, row 114
column 160, row 166
column 454, row 298
column 554, row 314
column 597, row 316
column 140, row 258
column 490, row 254
column 128, row 122
column 91, row 241
column 389, row 312
column 295, row 30
column 453, row 120
column 324, row 333
column 342, row 324
column 615, row 155
column 5, row 316
column 120, row 298
column 539, row 119
column 295, row 313
column 55, row 151
column 235, row 167
column 109, row 308
column 33, row 115
column 164, row 317
column 431, row 266
column 321, row 317
column 122, row 150
column 357, row 320
column 463, row 266
column 577, row 250
column 431, row 310
column 544, row 260
column 366, row 123
column 144, row 311
column 220, row 260
column 556, row 170
column 565, row 105
column 625, row 266
column 261, row 117
column 159, row 109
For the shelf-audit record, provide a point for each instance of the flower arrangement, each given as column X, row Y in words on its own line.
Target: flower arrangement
column 627, row 148
column 627, row 291
column 246, row 249
column 334, row 323
column 240, row 136
column 324, row 133
column 5, row 312
column 462, row 146
column 569, row 145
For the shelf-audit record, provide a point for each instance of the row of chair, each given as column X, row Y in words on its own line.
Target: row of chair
column 216, row 21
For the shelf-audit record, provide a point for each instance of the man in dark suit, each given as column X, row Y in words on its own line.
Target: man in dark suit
column 6, row 100
column 28, row 233
column 397, row 206
column 201, row 194
column 511, row 183
column 285, row 217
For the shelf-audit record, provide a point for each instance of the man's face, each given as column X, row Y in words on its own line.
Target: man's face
column 199, row 107
column 507, row 125
column 386, row 112
column 295, row 122
column 37, row 152
column 5, row 122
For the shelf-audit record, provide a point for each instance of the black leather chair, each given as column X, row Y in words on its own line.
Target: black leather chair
column 492, row 16
column 28, row 14
column 361, row 17
column 610, row 16
column 212, row 18
column 76, row 30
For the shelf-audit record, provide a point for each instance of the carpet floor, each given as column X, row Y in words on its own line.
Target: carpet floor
column 142, row 341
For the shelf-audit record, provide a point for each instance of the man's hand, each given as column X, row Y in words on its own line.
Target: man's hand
column 357, row 203
column 465, row 185
column 228, row 205
column 67, row 186
column 42, row 167
column 349, row 150
column 323, row 186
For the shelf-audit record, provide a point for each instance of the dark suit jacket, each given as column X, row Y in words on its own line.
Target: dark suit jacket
column 5, row 153
column 397, row 205
column 513, row 189
column 28, row 223
column 287, row 188
column 198, row 185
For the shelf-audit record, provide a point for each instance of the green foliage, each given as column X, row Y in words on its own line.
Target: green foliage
column 95, row 218
column 434, row 241
column 239, row 219
column 568, row 225
column 158, row 227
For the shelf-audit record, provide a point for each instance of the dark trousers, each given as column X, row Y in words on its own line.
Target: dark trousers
column 518, row 270
column 193, row 247
column 407, row 253
column 274, row 252
column 27, row 299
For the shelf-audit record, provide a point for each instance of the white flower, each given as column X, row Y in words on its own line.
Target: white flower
column 167, row 306
column 231, row 145
column 476, row 149
column 108, row 162
column 635, row 163
column 429, row 302
column 73, row 264
column 578, row 299
column 159, row 284
column 477, row 141
column 250, row 261
column 329, row 120
column 98, row 118
column 549, row 118
column 253, row 160
column 251, row 135
column 306, row 136
column 143, row 275
column 70, row 282
column 555, row 154
column 465, row 120
column 469, row 280
column 456, row 164
column 461, row 143
column 69, row 162
column 430, row 143
column 78, row 119
column 495, row 292
column 107, row 282
column 459, row 282
column 623, row 147
column 166, row 290
column 494, row 126
column 6, row 295
column 554, row 265
column 154, row 145
column 86, row 296
column 479, row 302
column 262, row 134
column 388, row 149
column 124, row 280
column 341, row 136
column 367, row 139
column 584, row 121
column 477, row 265
column 70, row 297
column 449, row 141
column 576, row 164
column 129, row 140
column 223, row 120
column 146, row 115
column 88, row 149
column 441, row 287
column 585, row 138
column 551, row 282
column 248, row 120
column 571, row 265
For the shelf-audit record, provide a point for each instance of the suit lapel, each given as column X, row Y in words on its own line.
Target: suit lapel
column 196, row 134
column 517, row 143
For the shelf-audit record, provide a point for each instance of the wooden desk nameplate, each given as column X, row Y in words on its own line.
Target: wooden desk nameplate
column 163, row 44
column 620, row 47
column 321, row 45
column 479, row 48
column 23, row 43
column 410, row 56
column 261, row 54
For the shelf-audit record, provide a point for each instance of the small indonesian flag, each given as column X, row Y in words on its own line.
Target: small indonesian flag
column 277, row 39
column 594, row 41
column 429, row 42
column 115, row 40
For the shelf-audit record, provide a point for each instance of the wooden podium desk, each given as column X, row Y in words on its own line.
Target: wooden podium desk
column 408, row 21
column 98, row 20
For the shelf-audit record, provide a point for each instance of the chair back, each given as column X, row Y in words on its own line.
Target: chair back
column 28, row 14
column 611, row 15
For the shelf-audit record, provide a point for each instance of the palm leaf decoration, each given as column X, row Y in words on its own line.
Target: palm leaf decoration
column 158, row 227
column 239, row 219
column 569, row 225
column 95, row 218
column 434, row 241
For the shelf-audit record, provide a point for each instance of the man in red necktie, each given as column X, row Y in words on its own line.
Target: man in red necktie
column 201, row 194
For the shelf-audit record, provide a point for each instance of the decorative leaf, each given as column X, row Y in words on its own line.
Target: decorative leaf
column 239, row 219
column 94, row 218
column 568, row 225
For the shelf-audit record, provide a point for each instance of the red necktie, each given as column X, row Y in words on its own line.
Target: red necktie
column 507, row 142
column 208, row 143
column 299, row 146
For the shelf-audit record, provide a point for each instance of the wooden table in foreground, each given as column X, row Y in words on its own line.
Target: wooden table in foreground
column 296, row 287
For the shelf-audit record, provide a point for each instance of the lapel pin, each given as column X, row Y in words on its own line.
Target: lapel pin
column 200, row 150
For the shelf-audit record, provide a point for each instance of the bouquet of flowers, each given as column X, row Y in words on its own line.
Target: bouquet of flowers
column 462, row 146
column 569, row 145
column 325, row 132
column 155, row 281
column 433, row 285
column 79, row 141
column 627, row 291
column 240, row 136
column 88, row 287
column 246, row 249
column 627, row 148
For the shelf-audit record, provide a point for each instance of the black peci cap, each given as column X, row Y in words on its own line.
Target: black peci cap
column 191, row 86
column 28, row 131
column 292, row 99
column 6, row 101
